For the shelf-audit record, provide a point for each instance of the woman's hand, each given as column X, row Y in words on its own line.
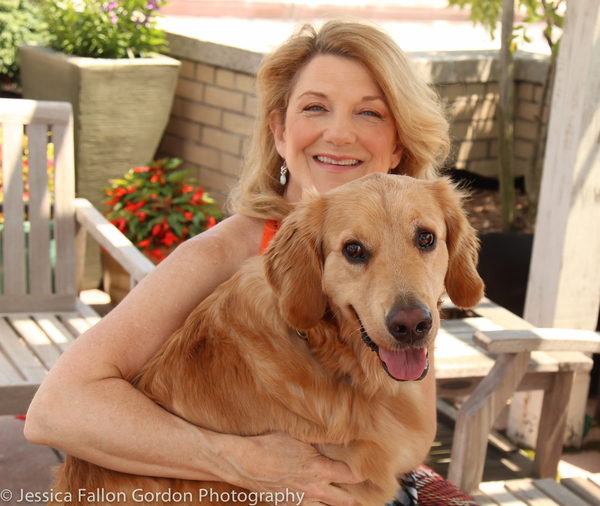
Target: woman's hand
column 280, row 463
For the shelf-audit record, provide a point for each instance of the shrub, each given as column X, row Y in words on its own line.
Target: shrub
column 104, row 29
column 156, row 207
column 20, row 21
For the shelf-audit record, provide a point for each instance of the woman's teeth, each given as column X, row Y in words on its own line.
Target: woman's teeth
column 326, row 159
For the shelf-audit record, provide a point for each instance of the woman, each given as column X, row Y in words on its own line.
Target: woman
column 335, row 105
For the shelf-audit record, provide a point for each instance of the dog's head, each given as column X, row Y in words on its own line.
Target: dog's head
column 378, row 252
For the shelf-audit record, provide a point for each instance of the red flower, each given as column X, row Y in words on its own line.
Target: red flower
column 188, row 215
column 156, row 229
column 170, row 239
column 211, row 222
column 145, row 243
column 120, row 223
column 197, row 197
column 141, row 169
column 130, row 206
column 157, row 254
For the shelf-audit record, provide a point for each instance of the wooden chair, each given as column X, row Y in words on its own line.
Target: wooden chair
column 489, row 357
column 43, row 246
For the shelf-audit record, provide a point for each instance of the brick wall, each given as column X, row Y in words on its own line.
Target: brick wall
column 215, row 105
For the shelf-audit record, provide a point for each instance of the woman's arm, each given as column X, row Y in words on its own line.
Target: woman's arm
column 85, row 408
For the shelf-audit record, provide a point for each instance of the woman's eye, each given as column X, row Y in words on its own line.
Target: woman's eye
column 371, row 113
column 426, row 240
column 314, row 108
column 355, row 252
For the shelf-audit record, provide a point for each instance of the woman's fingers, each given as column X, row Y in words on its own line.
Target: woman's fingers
column 278, row 463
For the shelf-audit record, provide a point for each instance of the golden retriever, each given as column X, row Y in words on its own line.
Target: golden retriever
column 323, row 337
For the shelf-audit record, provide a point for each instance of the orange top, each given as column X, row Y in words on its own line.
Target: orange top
column 271, row 228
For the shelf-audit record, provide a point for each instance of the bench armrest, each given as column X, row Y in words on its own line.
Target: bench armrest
column 523, row 340
column 112, row 240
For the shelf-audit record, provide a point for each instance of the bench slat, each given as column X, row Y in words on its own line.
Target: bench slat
column 495, row 490
column 8, row 374
column 54, row 329
column 36, row 339
column 19, row 355
column 526, row 491
column 561, row 495
column 520, row 341
column 40, row 271
column 585, row 489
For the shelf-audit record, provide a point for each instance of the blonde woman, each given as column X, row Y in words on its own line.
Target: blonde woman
column 335, row 104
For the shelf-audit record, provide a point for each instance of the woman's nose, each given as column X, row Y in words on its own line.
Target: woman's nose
column 339, row 131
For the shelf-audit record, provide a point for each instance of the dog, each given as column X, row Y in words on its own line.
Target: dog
column 325, row 337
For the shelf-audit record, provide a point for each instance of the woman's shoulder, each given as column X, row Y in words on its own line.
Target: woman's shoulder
column 237, row 237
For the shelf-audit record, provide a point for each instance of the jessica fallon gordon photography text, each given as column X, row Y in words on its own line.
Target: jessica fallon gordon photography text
column 167, row 496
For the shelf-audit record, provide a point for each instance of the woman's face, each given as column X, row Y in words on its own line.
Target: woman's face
column 337, row 127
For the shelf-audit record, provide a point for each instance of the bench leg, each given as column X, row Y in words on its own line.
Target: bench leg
column 476, row 417
column 553, row 422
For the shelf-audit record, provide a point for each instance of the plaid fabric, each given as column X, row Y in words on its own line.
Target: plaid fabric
column 424, row 487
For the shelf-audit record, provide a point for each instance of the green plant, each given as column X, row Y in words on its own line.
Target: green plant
column 549, row 12
column 104, row 29
column 487, row 13
column 156, row 207
column 20, row 21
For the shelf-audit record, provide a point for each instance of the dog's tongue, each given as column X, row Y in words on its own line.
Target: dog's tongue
column 406, row 365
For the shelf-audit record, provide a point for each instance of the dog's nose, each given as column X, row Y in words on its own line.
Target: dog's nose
column 409, row 325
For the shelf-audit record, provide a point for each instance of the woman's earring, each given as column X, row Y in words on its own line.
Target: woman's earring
column 283, row 174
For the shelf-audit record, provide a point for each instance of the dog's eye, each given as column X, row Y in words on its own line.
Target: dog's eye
column 355, row 252
column 426, row 240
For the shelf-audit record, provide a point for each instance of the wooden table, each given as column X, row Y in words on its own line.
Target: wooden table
column 488, row 379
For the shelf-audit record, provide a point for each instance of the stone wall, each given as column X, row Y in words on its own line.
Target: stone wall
column 215, row 105
column 467, row 83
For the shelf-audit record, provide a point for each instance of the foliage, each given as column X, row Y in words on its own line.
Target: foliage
column 487, row 12
column 157, row 208
column 103, row 28
column 50, row 158
column 550, row 12
column 20, row 21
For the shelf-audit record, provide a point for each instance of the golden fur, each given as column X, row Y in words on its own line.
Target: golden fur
column 239, row 366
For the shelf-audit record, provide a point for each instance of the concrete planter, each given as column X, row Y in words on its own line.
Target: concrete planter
column 121, row 108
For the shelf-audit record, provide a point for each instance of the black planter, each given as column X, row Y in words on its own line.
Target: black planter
column 504, row 262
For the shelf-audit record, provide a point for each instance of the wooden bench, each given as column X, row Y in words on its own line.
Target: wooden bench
column 490, row 356
column 43, row 246
column 577, row 491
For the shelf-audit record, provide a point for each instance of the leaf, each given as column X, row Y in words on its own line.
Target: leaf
column 179, row 175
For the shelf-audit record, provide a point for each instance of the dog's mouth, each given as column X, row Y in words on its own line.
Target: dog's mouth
column 409, row 364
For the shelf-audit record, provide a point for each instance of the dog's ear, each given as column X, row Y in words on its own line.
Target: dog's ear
column 463, row 283
column 294, row 264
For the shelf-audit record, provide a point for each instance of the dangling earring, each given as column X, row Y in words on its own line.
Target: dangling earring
column 283, row 174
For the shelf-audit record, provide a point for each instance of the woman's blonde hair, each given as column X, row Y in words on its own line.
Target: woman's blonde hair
column 420, row 123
